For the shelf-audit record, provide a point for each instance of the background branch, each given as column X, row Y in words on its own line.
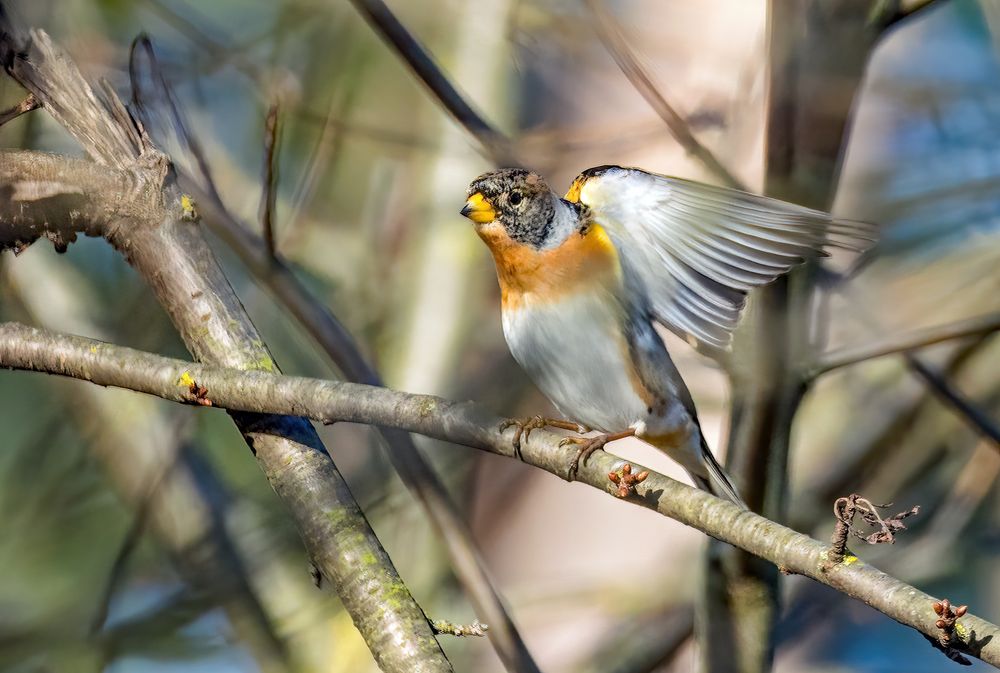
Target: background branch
column 177, row 500
column 908, row 341
column 172, row 255
column 270, row 267
column 817, row 51
column 466, row 423
column 416, row 57
column 615, row 42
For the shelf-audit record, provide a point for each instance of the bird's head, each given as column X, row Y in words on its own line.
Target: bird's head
column 516, row 205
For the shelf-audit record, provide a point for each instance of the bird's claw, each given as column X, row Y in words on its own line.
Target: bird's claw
column 526, row 425
column 588, row 445
column 523, row 428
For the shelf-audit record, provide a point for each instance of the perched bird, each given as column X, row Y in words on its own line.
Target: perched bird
column 583, row 279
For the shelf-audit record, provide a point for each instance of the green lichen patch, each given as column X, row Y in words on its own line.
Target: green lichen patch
column 427, row 408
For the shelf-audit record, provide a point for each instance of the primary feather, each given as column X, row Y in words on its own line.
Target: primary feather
column 699, row 249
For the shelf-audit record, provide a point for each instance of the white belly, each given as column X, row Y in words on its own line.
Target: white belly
column 575, row 353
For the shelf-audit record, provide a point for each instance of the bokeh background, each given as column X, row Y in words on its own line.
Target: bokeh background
column 101, row 569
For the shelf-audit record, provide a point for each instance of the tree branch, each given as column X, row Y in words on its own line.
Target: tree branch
column 27, row 105
column 816, row 54
column 269, row 193
column 465, row 423
column 413, row 469
column 900, row 343
column 49, row 196
column 950, row 395
column 267, row 264
column 976, row 418
column 171, row 254
column 617, row 45
column 395, row 34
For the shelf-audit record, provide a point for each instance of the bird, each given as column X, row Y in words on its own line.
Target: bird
column 585, row 278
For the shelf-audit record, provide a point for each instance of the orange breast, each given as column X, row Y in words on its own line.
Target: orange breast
column 582, row 261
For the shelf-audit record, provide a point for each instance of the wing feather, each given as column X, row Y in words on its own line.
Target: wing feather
column 699, row 249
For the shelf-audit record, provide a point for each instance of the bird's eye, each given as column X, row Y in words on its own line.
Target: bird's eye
column 515, row 198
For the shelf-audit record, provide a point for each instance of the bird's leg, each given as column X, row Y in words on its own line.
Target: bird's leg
column 526, row 425
column 590, row 444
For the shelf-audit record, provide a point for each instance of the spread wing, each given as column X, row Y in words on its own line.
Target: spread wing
column 699, row 249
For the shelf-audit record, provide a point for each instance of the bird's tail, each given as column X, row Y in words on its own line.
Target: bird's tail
column 715, row 480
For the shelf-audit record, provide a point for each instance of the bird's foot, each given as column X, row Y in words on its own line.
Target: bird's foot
column 526, row 425
column 588, row 445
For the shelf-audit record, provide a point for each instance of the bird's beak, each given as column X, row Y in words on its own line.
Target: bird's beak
column 478, row 209
column 573, row 195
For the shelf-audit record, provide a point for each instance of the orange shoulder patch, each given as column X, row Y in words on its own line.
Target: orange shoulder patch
column 582, row 261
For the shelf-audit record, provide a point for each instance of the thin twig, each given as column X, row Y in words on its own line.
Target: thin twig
column 269, row 191
column 951, row 396
column 389, row 28
column 617, row 45
column 896, row 344
column 190, row 141
column 901, row 435
column 465, row 423
column 978, row 419
column 27, row 105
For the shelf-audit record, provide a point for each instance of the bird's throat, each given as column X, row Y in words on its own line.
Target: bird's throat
column 584, row 261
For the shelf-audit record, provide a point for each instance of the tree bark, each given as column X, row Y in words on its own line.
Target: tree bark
column 150, row 226
column 817, row 52
column 261, row 392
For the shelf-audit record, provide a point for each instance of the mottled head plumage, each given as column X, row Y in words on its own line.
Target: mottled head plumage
column 517, row 199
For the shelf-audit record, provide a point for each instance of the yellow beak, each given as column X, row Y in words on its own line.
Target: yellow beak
column 573, row 195
column 478, row 209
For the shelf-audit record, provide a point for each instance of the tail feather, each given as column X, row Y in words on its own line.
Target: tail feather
column 716, row 481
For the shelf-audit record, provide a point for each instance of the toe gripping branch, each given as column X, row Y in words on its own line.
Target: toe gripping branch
column 587, row 446
column 524, row 426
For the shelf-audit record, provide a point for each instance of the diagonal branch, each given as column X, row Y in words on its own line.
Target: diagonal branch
column 266, row 263
column 465, row 423
column 171, row 254
column 615, row 42
column 395, row 34
column 937, row 383
column 412, row 468
column 951, row 396
column 895, row 344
